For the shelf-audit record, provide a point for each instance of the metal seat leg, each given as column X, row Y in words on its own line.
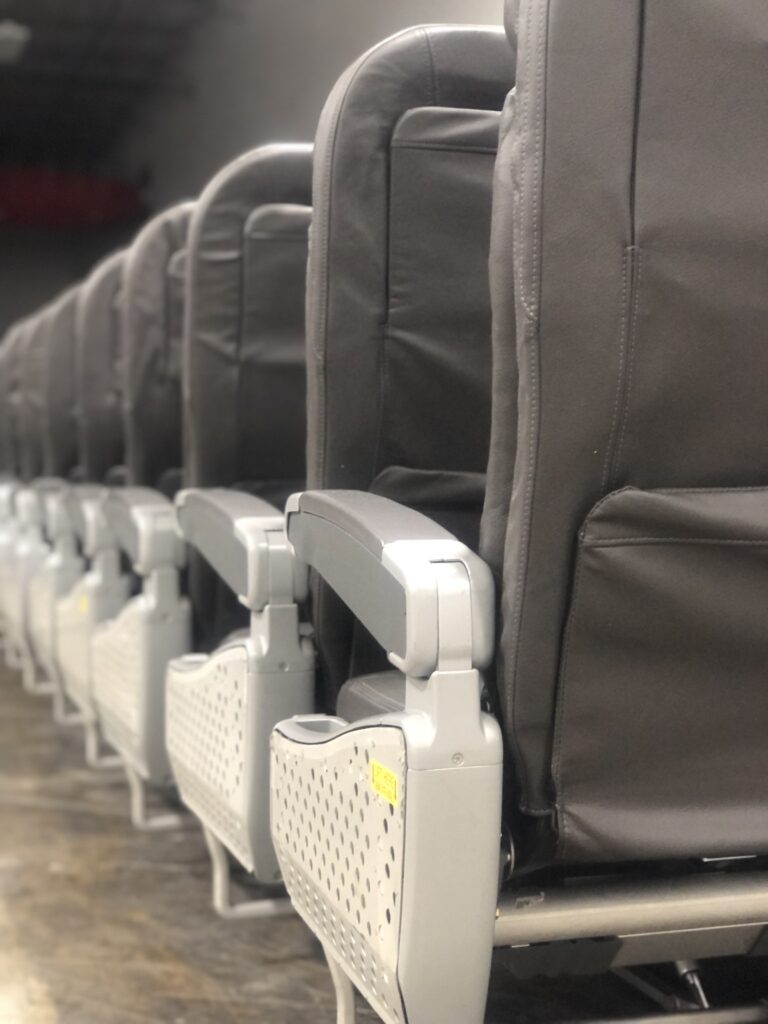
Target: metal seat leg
column 94, row 756
column 141, row 817
column 222, row 889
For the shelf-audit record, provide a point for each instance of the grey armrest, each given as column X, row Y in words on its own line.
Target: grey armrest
column 425, row 597
column 235, row 533
column 82, row 505
column 8, row 488
column 143, row 522
column 58, row 522
column 29, row 500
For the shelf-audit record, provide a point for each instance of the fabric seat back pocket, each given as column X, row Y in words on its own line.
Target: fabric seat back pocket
column 661, row 738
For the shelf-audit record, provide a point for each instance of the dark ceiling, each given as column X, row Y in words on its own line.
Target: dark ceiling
column 88, row 64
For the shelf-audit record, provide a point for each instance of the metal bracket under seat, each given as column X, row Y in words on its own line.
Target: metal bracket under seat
column 141, row 817
column 222, row 899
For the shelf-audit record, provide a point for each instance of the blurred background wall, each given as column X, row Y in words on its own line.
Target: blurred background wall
column 262, row 70
column 161, row 94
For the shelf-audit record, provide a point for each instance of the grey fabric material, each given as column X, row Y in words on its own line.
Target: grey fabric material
column 31, row 394
column 244, row 347
column 455, row 499
column 397, row 294
column 633, row 194
column 58, row 391
column 10, row 439
column 98, row 370
column 245, row 329
column 660, row 730
column 272, row 380
column 151, row 349
column 380, row 693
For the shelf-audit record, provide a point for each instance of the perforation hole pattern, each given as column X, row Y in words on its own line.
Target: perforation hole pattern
column 117, row 678
column 73, row 632
column 206, row 727
column 340, row 847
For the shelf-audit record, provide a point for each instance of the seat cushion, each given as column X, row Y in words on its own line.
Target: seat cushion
column 380, row 693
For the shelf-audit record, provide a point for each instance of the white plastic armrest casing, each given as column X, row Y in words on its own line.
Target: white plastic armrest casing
column 143, row 522
column 240, row 536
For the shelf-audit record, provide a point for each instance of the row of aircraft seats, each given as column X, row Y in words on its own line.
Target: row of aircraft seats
column 436, row 597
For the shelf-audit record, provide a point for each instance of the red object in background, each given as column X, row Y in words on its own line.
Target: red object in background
column 40, row 197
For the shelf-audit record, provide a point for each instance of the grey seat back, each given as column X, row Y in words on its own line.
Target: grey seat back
column 57, row 389
column 632, row 228
column 244, row 345
column 398, row 309
column 151, row 351
column 9, row 439
column 32, row 357
column 98, row 372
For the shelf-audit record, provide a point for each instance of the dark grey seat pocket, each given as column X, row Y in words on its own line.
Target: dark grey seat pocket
column 661, row 740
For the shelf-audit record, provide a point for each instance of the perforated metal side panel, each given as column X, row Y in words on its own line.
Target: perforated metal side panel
column 73, row 633
column 340, row 847
column 14, row 606
column 117, row 652
column 206, row 725
column 41, row 606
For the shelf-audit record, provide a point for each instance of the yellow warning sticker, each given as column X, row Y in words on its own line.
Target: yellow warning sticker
column 384, row 782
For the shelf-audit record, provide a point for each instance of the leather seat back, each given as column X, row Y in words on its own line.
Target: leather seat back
column 9, row 434
column 57, row 390
column 632, row 219
column 151, row 352
column 98, row 372
column 244, row 345
column 398, row 308
column 32, row 357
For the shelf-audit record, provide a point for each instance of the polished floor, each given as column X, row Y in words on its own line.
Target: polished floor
column 101, row 924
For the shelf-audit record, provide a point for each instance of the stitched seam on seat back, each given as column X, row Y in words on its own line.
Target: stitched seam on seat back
column 561, row 703
column 534, row 326
column 608, row 460
column 383, row 353
column 636, row 284
column 631, row 280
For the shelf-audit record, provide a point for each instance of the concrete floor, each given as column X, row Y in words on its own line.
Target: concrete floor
column 101, row 924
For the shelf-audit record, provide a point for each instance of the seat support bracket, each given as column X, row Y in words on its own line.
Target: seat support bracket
column 223, row 903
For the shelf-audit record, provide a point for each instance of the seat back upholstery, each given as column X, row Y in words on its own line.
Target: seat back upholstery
column 398, row 310
column 58, row 391
column 98, row 371
column 32, row 357
column 244, row 343
column 631, row 191
column 9, row 441
column 151, row 351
